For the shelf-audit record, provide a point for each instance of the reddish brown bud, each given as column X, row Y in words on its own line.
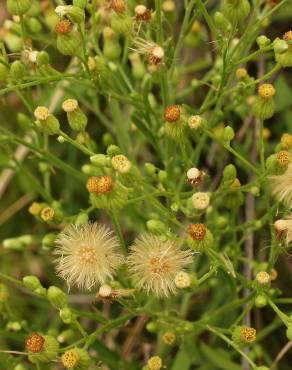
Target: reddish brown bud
column 172, row 113
column 34, row 342
column 197, row 231
column 64, row 26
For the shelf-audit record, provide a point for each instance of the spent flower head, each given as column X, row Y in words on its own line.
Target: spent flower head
column 87, row 255
column 154, row 264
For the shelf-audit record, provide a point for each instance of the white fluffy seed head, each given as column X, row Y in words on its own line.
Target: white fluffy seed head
column 182, row 280
column 154, row 264
column 87, row 255
column 200, row 200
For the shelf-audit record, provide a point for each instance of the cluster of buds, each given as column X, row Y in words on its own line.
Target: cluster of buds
column 51, row 214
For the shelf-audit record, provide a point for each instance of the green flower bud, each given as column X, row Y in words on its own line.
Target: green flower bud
column 4, row 293
column 34, row 10
column 76, row 118
column 111, row 47
column 228, row 134
column 138, row 68
column 260, row 301
column 76, row 358
column 82, row 219
column 221, row 21
column 18, row 7
column 74, row 13
column 57, row 297
column 43, row 58
column 244, row 335
column 284, row 58
column 254, row 190
column 280, row 46
column 49, row 351
column 236, row 10
column 100, row 160
column 107, row 139
column 162, row 176
column 121, row 23
column 229, row 173
column 18, row 70
column 150, row 169
column 24, row 121
column 152, row 327
column 66, row 336
column 48, row 241
column 113, row 150
column 156, row 227
column 17, row 243
column 67, row 316
column 263, row 41
column 69, row 44
column 31, row 282
column 20, row 367
column 34, row 25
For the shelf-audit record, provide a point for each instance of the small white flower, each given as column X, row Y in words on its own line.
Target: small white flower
column 193, row 174
column 105, row 291
column 200, row 200
column 32, row 56
column 182, row 280
column 87, row 255
column 60, row 10
column 121, row 163
column 263, row 277
column 195, row 122
column 154, row 264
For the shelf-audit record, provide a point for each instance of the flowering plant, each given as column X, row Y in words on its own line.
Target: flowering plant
column 146, row 185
